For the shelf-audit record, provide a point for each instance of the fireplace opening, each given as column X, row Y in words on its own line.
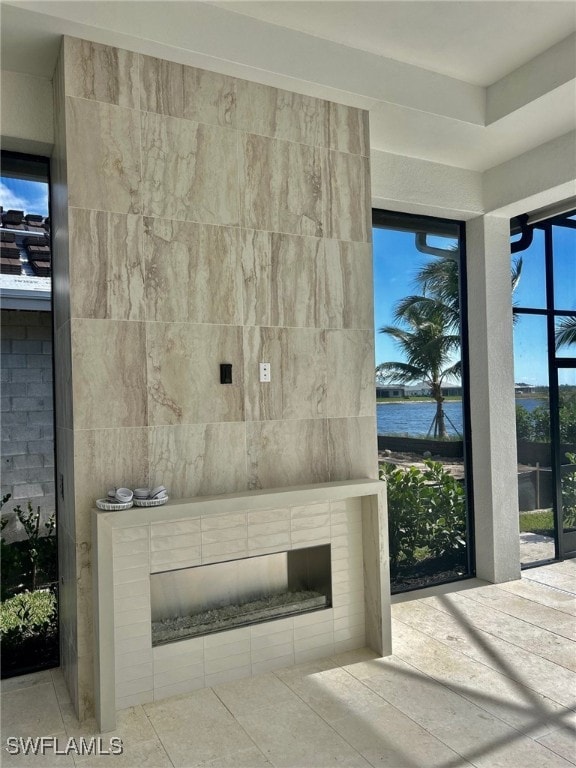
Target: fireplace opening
column 192, row 602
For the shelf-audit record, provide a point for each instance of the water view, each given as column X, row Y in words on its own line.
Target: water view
column 414, row 418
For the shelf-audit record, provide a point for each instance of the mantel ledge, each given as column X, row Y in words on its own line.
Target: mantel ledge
column 269, row 498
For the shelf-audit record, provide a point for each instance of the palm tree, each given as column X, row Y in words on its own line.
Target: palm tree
column 566, row 332
column 428, row 330
column 428, row 348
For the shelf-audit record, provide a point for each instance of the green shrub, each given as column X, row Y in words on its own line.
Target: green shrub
column 426, row 512
column 28, row 613
column 569, row 493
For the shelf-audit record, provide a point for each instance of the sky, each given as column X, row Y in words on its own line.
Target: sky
column 27, row 196
column 396, row 261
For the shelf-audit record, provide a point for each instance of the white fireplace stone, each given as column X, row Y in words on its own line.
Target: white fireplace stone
column 133, row 544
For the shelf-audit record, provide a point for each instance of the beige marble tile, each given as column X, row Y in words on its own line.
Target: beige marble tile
column 107, row 271
column 280, row 114
column 284, row 279
column 561, row 742
column 334, row 694
column 199, row 459
column 184, row 373
column 348, row 129
column 254, row 693
column 527, row 610
column 109, row 373
column 351, row 373
column 103, row 459
column 352, row 448
column 280, row 186
column 161, row 86
column 297, row 389
column 245, row 758
column 520, row 633
column 346, row 197
column 101, row 73
column 46, row 760
column 103, row 145
column 189, row 170
column 282, row 453
column 182, row 91
column 491, row 690
column 294, row 735
column 530, row 669
column 197, row 724
column 563, row 602
column 349, row 285
column 193, row 272
column 144, row 754
column 387, row 738
column 31, row 711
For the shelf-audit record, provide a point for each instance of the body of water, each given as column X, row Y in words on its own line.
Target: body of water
column 415, row 418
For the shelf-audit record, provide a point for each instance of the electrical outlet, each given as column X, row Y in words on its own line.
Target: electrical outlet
column 265, row 372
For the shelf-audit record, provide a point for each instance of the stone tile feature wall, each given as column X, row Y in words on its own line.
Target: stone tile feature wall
column 27, row 415
column 129, row 547
column 202, row 219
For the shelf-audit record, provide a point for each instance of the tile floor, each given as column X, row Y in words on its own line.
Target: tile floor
column 483, row 676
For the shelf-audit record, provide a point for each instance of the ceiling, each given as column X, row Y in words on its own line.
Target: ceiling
column 478, row 42
column 466, row 83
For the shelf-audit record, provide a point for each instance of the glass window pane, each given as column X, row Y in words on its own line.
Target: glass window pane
column 530, row 290
column 533, row 439
column 419, row 405
column 565, row 334
column 564, row 245
column 567, row 419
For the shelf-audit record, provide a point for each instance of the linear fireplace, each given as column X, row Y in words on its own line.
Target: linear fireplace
column 291, row 575
column 191, row 602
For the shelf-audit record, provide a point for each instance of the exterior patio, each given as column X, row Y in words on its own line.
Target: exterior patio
column 483, row 675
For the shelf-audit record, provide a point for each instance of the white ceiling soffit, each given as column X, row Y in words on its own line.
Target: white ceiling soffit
column 420, row 67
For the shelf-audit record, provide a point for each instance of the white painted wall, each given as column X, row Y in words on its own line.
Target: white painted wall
column 535, row 179
column 27, row 113
column 410, row 185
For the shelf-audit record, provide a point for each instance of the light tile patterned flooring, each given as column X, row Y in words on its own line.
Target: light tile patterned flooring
column 482, row 676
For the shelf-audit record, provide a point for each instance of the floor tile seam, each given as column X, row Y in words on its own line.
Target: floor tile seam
column 386, row 703
column 503, row 588
column 553, row 587
column 158, row 737
column 524, row 730
column 494, row 669
column 82, row 760
column 554, row 750
column 467, row 760
column 519, row 618
column 510, row 642
column 519, row 734
column 328, row 723
column 239, row 724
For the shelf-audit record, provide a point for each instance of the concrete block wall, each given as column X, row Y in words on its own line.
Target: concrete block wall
column 27, row 446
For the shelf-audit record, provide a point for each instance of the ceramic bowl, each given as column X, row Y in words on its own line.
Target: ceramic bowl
column 124, row 495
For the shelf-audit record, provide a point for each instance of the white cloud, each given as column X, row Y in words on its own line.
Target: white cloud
column 9, row 200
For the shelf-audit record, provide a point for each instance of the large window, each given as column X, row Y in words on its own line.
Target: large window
column 421, row 397
column 545, row 375
column 29, row 583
